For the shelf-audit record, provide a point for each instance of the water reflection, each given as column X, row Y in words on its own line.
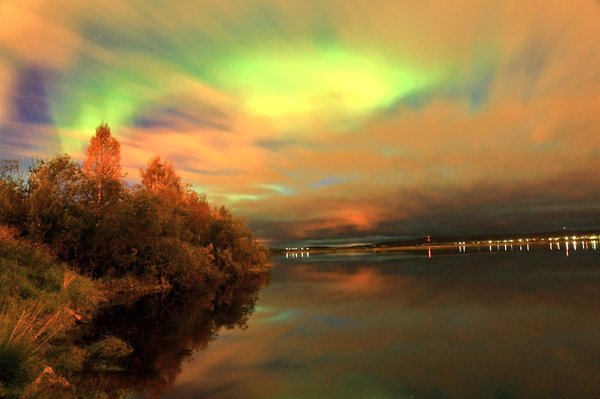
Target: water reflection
column 506, row 246
column 524, row 245
column 301, row 254
column 164, row 331
column 403, row 325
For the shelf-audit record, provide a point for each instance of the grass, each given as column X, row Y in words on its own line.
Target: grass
column 25, row 330
column 40, row 300
column 108, row 354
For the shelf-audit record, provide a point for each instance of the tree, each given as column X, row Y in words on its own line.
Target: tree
column 59, row 206
column 103, row 161
column 12, row 194
column 123, row 236
column 160, row 175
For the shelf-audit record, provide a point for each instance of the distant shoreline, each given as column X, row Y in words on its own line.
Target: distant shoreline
column 420, row 245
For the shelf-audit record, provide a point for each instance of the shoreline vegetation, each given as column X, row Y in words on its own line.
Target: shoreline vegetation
column 76, row 237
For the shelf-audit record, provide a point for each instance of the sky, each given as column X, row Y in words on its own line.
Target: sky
column 328, row 120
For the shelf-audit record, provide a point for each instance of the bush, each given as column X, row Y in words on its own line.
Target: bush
column 180, row 263
column 108, row 354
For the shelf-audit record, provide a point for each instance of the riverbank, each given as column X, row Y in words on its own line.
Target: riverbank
column 73, row 236
column 46, row 307
column 41, row 300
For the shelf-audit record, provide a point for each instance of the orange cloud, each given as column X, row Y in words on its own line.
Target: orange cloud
column 512, row 104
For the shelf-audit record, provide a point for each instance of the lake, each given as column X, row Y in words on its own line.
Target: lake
column 481, row 324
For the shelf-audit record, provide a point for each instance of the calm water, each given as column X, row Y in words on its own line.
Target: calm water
column 520, row 324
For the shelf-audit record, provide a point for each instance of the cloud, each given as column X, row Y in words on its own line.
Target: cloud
column 5, row 80
column 38, row 33
column 526, row 206
column 321, row 117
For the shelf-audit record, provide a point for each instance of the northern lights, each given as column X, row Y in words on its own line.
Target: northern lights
column 331, row 85
column 325, row 119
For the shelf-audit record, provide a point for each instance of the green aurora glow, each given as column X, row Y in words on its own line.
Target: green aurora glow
column 381, row 112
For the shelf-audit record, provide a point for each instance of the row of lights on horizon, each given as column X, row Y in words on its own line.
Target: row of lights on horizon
column 506, row 241
column 523, row 243
column 585, row 244
column 525, row 240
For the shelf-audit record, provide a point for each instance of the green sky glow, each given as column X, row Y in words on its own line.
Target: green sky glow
column 324, row 118
column 331, row 84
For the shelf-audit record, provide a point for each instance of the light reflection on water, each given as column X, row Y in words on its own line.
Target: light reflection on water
column 508, row 245
column 393, row 325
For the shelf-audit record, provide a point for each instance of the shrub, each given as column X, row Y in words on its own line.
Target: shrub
column 108, row 354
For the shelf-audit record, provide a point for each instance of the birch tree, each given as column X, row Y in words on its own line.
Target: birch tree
column 103, row 161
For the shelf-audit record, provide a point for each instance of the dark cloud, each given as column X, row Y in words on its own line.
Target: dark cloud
column 567, row 200
column 177, row 116
column 30, row 98
column 324, row 119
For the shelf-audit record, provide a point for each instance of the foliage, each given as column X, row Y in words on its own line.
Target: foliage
column 60, row 221
column 103, row 162
column 59, row 206
column 160, row 230
column 12, row 195
column 160, row 175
